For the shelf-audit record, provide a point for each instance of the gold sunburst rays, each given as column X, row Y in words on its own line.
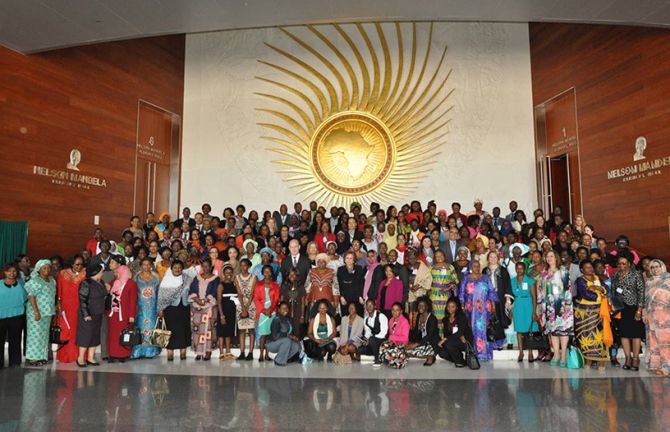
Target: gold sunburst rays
column 356, row 121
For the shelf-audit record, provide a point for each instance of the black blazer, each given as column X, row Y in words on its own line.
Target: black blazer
column 91, row 298
column 463, row 327
column 432, row 336
column 377, row 278
column 351, row 284
column 504, row 284
column 304, row 266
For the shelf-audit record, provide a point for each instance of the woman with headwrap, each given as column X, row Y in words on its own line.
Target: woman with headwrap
column 391, row 235
column 479, row 299
column 41, row 289
column 122, row 314
column 657, row 318
column 202, row 296
column 322, row 284
column 343, row 243
column 444, row 285
column 68, row 283
column 173, row 307
column 147, row 293
column 92, row 294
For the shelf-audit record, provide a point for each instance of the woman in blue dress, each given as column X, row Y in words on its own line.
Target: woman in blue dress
column 478, row 299
column 147, row 294
column 523, row 310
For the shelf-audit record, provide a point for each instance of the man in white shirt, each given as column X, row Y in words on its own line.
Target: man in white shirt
column 375, row 327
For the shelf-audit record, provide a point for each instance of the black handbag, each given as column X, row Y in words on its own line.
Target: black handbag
column 535, row 340
column 54, row 335
column 471, row 357
column 495, row 330
column 130, row 336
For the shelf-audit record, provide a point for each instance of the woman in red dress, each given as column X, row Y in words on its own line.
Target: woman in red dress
column 68, row 297
column 122, row 314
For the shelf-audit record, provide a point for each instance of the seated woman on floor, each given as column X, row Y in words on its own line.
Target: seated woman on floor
column 281, row 340
column 457, row 333
column 392, row 351
column 321, row 333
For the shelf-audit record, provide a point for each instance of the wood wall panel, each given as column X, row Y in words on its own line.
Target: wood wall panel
column 84, row 98
column 621, row 77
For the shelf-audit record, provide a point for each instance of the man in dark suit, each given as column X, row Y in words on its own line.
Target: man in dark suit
column 295, row 260
column 452, row 244
column 282, row 218
column 185, row 218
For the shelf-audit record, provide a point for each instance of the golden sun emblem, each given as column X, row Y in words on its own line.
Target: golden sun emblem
column 359, row 130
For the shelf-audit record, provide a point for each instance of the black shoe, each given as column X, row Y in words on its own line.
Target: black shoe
column 280, row 365
column 80, row 364
column 430, row 361
column 241, row 356
column 250, row 356
column 460, row 365
column 122, row 360
column 92, row 363
column 198, row 357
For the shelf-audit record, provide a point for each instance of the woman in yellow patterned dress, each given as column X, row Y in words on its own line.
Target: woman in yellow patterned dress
column 591, row 316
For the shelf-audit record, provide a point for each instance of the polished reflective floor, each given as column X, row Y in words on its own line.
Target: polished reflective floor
column 57, row 399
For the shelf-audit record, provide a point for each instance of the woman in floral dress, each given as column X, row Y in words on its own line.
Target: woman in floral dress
column 557, row 309
column 479, row 298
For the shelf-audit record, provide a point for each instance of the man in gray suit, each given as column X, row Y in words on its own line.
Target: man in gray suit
column 282, row 217
column 451, row 245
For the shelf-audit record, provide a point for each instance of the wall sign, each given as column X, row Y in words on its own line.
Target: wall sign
column 71, row 176
column 643, row 168
column 150, row 150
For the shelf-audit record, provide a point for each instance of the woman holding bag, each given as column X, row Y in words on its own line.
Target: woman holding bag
column 524, row 307
column 202, row 296
column 147, row 292
column 122, row 313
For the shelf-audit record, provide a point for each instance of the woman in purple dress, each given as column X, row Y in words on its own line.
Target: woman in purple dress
column 478, row 299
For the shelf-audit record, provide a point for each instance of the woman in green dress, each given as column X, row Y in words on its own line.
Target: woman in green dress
column 41, row 289
column 524, row 309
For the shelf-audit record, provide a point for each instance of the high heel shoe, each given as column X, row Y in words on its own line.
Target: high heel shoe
column 636, row 364
column 626, row 366
column 242, row 356
column 81, row 365
column 520, row 358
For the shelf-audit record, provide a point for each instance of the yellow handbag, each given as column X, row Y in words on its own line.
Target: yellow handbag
column 160, row 336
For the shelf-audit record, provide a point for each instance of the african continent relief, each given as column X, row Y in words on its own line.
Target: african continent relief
column 353, row 119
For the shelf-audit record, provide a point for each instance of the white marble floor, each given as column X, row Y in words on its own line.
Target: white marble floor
column 504, row 366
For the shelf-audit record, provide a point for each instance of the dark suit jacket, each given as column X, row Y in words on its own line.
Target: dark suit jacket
column 278, row 222
column 304, row 266
column 446, row 247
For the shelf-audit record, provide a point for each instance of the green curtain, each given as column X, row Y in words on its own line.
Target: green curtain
column 13, row 240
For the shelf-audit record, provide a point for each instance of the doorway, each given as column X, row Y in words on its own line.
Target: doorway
column 558, row 183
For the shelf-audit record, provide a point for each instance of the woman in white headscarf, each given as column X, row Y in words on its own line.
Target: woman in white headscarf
column 173, row 307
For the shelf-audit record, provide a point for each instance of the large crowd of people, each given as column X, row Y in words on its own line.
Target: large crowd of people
column 319, row 285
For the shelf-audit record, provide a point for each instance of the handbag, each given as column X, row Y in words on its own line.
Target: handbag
column 55, row 335
column 535, row 340
column 160, row 337
column 471, row 357
column 575, row 358
column 130, row 336
column 495, row 330
column 617, row 303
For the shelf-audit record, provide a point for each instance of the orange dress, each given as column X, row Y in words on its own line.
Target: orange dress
column 68, row 294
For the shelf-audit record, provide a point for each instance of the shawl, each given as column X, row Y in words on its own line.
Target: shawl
column 170, row 289
column 391, row 240
column 315, row 325
column 368, row 278
column 123, row 275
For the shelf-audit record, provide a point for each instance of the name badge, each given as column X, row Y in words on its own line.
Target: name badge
column 619, row 290
column 414, row 271
column 524, row 286
column 444, row 272
column 596, row 282
column 556, row 290
column 454, row 330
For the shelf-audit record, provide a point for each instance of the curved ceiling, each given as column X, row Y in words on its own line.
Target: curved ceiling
column 38, row 25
